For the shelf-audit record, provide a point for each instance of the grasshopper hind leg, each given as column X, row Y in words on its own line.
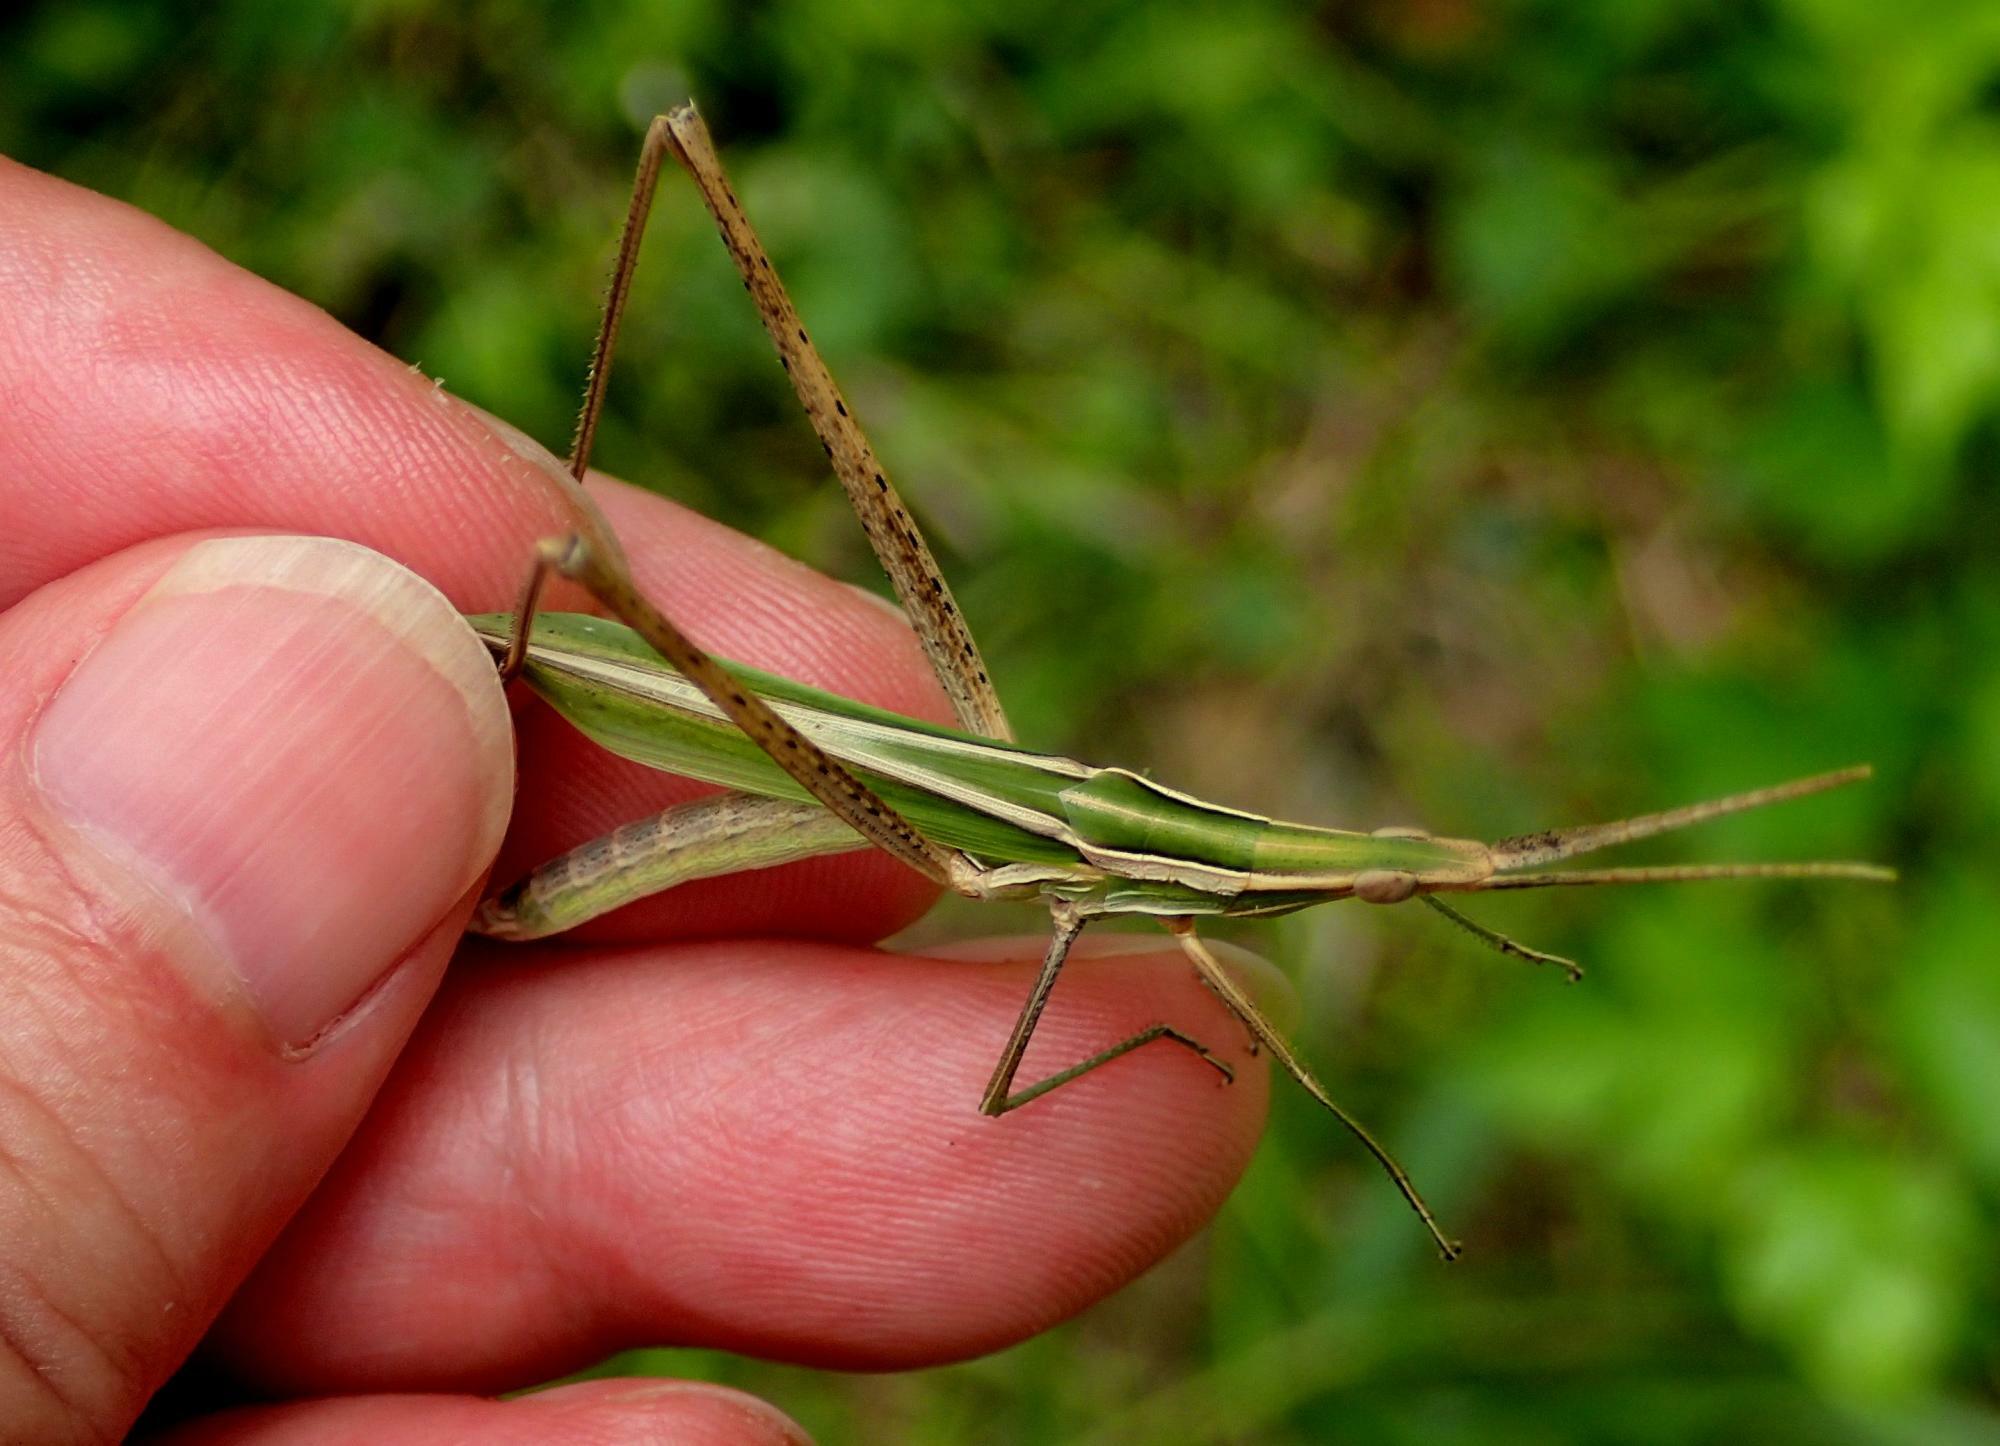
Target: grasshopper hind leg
column 1241, row 1005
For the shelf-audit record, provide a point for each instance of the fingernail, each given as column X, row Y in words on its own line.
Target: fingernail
column 708, row 1412
column 298, row 743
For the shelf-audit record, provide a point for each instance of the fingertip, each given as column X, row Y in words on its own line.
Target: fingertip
column 683, row 1413
column 628, row 1412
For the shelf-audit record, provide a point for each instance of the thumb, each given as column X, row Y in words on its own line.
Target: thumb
column 247, row 789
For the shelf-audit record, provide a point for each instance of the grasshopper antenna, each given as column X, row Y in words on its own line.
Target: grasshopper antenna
column 1529, row 851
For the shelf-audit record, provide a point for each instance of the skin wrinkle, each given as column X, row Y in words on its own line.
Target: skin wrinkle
column 658, row 1110
column 561, row 1289
column 94, row 930
column 27, row 1177
column 524, row 1124
column 674, row 1110
column 186, row 407
column 518, row 1171
column 57, row 1362
column 748, row 1044
column 90, row 940
column 51, row 1400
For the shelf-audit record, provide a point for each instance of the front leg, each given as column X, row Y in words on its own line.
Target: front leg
column 1494, row 939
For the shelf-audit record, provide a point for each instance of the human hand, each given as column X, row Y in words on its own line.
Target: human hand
column 253, row 786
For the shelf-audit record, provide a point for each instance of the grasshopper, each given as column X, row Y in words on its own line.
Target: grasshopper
column 810, row 773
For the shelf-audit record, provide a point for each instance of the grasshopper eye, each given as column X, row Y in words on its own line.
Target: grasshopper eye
column 1384, row 886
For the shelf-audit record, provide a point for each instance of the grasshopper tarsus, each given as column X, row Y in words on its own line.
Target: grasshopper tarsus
column 1152, row 1034
column 1502, row 943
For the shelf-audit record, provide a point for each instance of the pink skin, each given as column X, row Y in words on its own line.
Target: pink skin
column 722, row 1121
column 600, row 1413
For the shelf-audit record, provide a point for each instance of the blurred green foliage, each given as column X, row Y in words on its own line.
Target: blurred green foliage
column 1485, row 412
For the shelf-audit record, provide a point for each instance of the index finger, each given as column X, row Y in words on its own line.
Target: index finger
column 151, row 388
